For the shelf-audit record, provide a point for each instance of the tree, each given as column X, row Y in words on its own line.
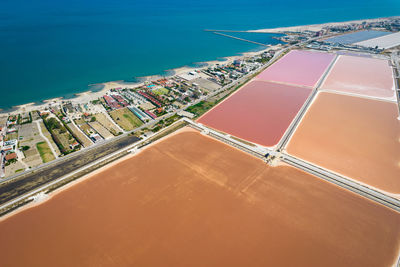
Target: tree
column 53, row 123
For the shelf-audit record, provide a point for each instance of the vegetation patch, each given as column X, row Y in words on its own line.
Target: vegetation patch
column 45, row 152
column 200, row 108
column 125, row 119
column 11, row 136
column 107, row 123
column 161, row 91
column 60, row 135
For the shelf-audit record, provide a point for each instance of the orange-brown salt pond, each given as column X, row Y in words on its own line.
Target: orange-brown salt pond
column 193, row 201
column 353, row 136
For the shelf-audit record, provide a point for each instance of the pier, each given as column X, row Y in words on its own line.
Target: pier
column 241, row 39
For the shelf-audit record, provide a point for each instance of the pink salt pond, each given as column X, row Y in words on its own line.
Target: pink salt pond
column 260, row 112
column 304, row 68
column 362, row 76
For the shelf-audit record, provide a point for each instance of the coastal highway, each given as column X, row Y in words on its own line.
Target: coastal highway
column 34, row 179
column 22, row 183
column 82, row 151
column 80, row 171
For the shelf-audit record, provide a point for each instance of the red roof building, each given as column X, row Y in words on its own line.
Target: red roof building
column 111, row 102
column 11, row 156
column 150, row 98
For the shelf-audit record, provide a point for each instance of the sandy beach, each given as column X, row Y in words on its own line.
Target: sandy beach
column 84, row 97
column 314, row 27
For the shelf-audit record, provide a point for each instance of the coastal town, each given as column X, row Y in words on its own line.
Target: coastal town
column 33, row 137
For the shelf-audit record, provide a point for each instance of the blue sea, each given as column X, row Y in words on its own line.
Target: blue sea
column 53, row 48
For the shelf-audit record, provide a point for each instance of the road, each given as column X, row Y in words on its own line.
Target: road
column 292, row 127
column 255, row 150
column 395, row 60
column 342, row 182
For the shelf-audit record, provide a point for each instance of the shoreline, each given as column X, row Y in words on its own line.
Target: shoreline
column 89, row 95
column 317, row 27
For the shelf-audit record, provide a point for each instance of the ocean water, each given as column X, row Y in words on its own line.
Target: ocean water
column 53, row 48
